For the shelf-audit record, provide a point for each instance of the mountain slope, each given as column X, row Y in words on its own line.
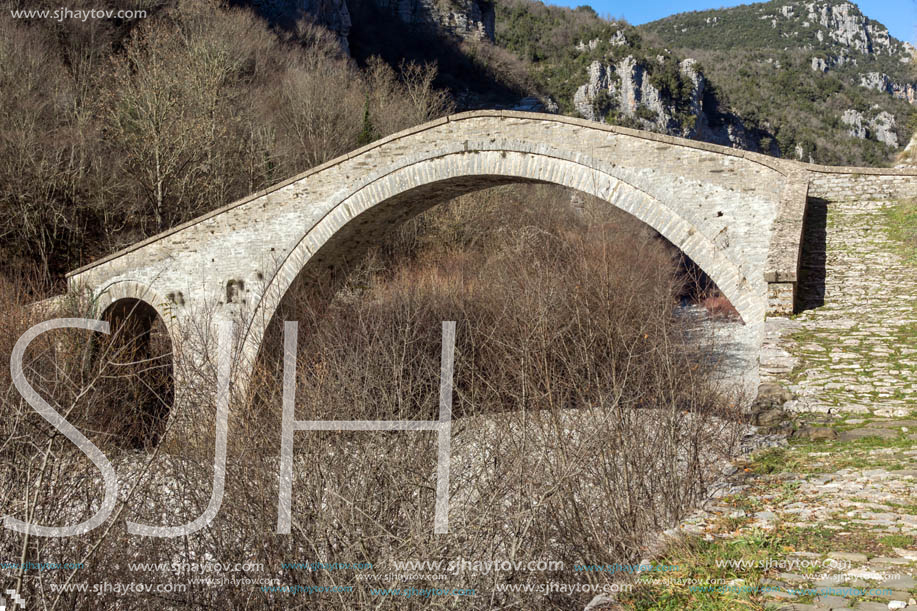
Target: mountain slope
column 816, row 80
column 833, row 84
column 609, row 71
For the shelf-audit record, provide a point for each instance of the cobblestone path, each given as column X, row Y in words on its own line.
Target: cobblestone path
column 829, row 519
column 857, row 352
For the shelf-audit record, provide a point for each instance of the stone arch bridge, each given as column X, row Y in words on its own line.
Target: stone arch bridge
column 738, row 215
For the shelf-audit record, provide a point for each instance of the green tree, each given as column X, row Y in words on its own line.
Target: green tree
column 367, row 132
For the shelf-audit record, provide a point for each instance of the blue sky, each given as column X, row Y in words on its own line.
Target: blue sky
column 899, row 16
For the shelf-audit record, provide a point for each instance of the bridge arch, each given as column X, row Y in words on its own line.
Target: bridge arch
column 110, row 294
column 394, row 193
column 737, row 215
column 140, row 344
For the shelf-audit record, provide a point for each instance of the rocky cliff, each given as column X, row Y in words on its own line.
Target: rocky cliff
column 814, row 80
column 842, row 23
column 881, row 127
column 880, row 81
column 467, row 19
column 833, row 83
column 470, row 19
column 332, row 14
column 625, row 89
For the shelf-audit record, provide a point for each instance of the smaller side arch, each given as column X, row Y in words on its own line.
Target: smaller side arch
column 104, row 297
column 135, row 361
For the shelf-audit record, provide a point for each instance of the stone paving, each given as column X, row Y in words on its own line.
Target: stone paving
column 835, row 508
column 855, row 527
column 858, row 352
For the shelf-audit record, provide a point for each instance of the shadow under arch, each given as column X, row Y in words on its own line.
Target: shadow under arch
column 135, row 362
column 392, row 195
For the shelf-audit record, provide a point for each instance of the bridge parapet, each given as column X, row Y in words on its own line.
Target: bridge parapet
column 834, row 184
column 851, row 183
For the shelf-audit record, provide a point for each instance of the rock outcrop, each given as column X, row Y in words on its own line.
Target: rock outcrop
column 471, row 19
column 844, row 24
column 624, row 88
column 332, row 14
column 823, row 64
column 819, row 24
column 883, row 128
column 854, row 120
column 854, row 33
column 880, row 127
column 881, row 82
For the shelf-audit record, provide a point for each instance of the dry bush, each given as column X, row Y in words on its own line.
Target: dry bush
column 909, row 155
column 502, row 65
column 37, row 151
column 585, row 419
column 720, row 307
column 114, row 389
column 111, row 134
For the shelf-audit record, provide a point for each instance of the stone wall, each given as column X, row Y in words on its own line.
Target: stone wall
column 718, row 205
column 833, row 184
column 781, row 271
column 845, row 184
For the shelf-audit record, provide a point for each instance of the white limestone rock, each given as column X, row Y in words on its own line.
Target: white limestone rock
column 881, row 127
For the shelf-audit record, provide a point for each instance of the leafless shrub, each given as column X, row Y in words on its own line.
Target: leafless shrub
column 109, row 135
column 584, row 421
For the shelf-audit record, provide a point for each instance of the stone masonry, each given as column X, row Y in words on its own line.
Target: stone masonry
column 738, row 215
column 839, row 494
column 856, row 352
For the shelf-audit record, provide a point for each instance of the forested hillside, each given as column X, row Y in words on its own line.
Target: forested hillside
column 113, row 131
column 835, row 86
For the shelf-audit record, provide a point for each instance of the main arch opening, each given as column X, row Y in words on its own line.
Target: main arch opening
column 135, row 371
column 385, row 197
column 582, row 413
column 409, row 248
column 480, row 213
